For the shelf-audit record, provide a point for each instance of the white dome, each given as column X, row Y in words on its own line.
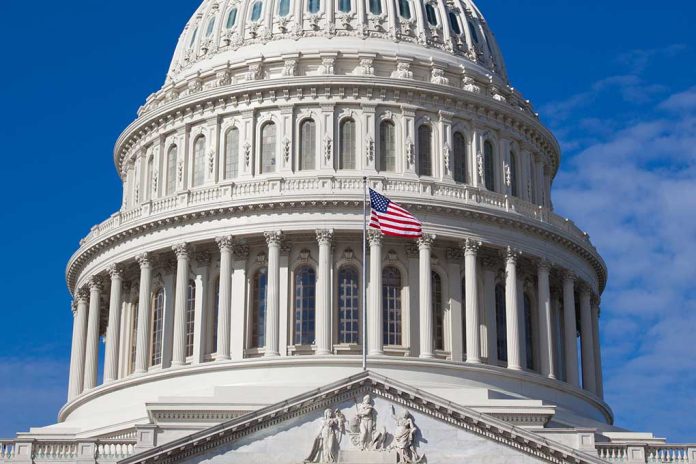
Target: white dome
column 450, row 33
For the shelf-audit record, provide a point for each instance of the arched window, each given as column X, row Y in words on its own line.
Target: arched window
column 454, row 23
column 460, row 158
column 193, row 37
column 391, row 304
column 171, row 169
column 344, row 6
column 190, row 316
column 284, row 8
column 305, row 305
column 438, row 311
column 211, row 27
column 256, row 9
column 268, row 148
column 387, row 146
column 513, row 174
column 425, row 154
column 404, row 9
column 133, row 335
column 149, row 185
column 258, row 309
column 232, row 153
column 488, row 165
column 199, row 161
column 156, row 329
column 348, row 306
column 376, row 7
column 472, row 31
column 528, row 335
column 308, row 144
column 430, row 14
column 500, row 320
column 231, row 18
column 346, row 154
column 313, row 6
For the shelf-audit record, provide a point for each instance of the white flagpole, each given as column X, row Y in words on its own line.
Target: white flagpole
column 364, row 278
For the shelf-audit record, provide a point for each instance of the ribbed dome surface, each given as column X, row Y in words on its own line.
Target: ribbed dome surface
column 452, row 33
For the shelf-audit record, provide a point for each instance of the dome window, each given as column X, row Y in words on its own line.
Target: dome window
column 256, row 11
column 211, row 27
column 430, row 14
column 404, row 9
column 454, row 23
column 313, row 6
column 472, row 31
column 193, row 38
column 375, row 7
column 284, row 7
column 344, row 6
column 231, row 18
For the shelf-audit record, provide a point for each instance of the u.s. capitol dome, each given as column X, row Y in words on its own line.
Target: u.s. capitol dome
column 227, row 288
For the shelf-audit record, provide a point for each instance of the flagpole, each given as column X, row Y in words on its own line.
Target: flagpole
column 364, row 278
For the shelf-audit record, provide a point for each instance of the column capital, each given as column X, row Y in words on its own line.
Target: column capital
column 115, row 271
column 225, row 243
column 273, row 238
column 569, row 276
column 375, row 237
column 95, row 284
column 144, row 260
column 182, row 250
column 325, row 236
column 512, row 255
column 544, row 264
column 585, row 289
column 426, row 241
column 471, row 246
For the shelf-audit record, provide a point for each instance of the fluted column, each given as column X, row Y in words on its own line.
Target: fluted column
column 375, row 315
column 79, row 338
column 425, row 244
column 323, row 315
column 570, row 336
column 92, row 346
column 599, row 376
column 113, row 331
column 273, row 240
column 512, row 313
column 548, row 366
column 142, row 346
column 586, row 340
column 489, row 272
column 182, row 276
column 473, row 333
column 224, row 314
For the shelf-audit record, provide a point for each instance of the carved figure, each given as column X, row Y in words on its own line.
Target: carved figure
column 366, row 418
column 404, row 437
column 326, row 445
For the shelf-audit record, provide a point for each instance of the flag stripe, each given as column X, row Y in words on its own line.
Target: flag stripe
column 392, row 219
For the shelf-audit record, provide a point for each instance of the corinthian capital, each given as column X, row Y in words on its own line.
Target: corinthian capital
column 426, row 241
column 182, row 250
column 512, row 255
column 273, row 238
column 325, row 236
column 144, row 260
column 544, row 265
column 225, row 243
column 115, row 271
column 375, row 237
column 95, row 284
column 81, row 295
column 471, row 246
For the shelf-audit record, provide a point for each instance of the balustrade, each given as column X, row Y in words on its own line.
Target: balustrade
column 645, row 453
column 66, row 451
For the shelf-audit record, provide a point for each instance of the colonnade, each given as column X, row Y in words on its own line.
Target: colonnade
column 472, row 317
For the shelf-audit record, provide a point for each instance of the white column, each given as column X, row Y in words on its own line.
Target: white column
column 586, row 340
column 548, row 366
column 323, row 298
column 92, row 346
column 240, row 254
column 512, row 313
column 77, row 354
column 489, row 272
column 182, row 276
column 142, row 347
column 454, row 257
column 273, row 240
column 222, row 352
column 114, row 328
column 425, row 244
column 375, row 316
column 473, row 334
column 599, row 382
column 201, row 307
column 570, row 330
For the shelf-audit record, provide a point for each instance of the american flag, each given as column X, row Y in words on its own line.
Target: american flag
column 392, row 219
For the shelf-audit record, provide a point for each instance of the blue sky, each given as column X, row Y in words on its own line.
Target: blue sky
column 616, row 81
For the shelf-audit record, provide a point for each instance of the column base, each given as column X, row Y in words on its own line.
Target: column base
column 221, row 357
column 322, row 353
column 473, row 361
column 271, row 354
column 427, row 356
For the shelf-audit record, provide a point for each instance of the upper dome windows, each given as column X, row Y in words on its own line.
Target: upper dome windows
column 256, row 10
column 231, row 18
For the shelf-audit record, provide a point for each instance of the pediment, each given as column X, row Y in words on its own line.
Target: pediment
column 364, row 419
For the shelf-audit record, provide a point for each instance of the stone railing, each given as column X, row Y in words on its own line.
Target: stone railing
column 33, row 451
column 297, row 189
column 647, row 453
